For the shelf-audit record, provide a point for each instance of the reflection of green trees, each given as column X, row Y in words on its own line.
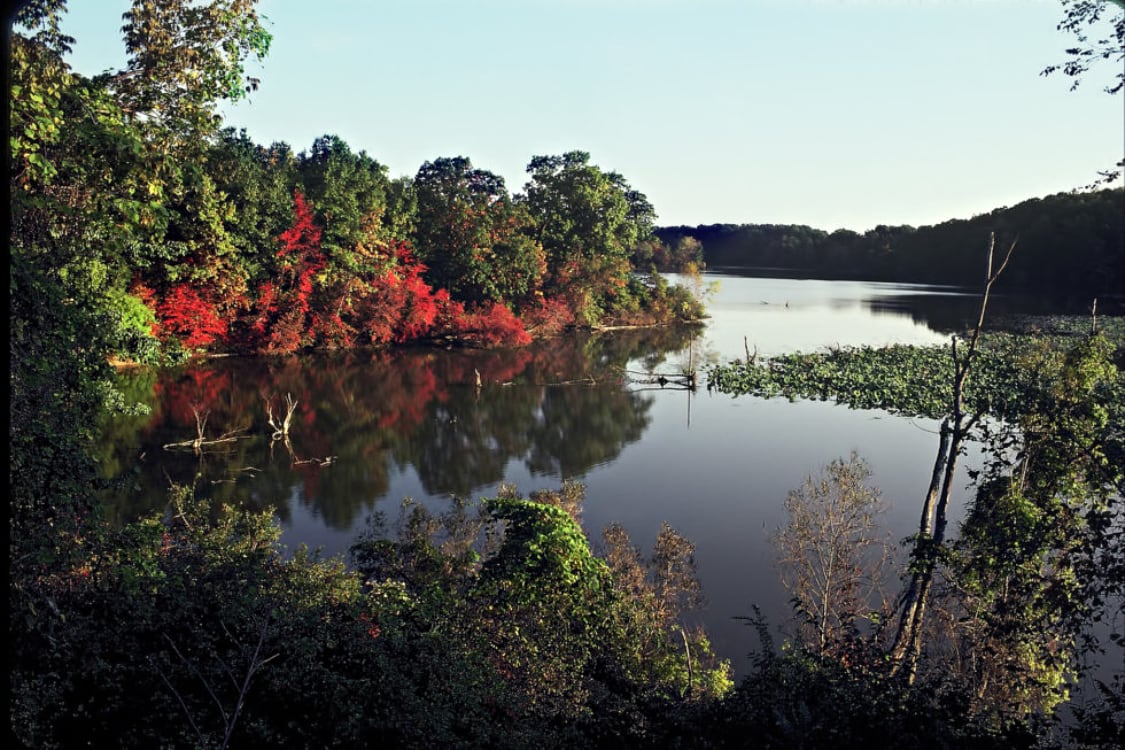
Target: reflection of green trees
column 467, row 440
column 560, row 407
column 578, row 428
column 954, row 313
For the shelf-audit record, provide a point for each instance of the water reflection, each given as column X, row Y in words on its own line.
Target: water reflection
column 771, row 316
column 560, row 409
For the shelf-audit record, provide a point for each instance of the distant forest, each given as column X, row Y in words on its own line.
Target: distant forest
column 1069, row 243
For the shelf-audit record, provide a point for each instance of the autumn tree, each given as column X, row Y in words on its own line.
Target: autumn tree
column 284, row 307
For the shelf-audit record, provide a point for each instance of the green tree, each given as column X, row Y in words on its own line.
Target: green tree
column 1039, row 558
column 1035, row 559
column 90, row 176
column 588, row 222
column 184, row 58
column 348, row 191
column 475, row 241
column 258, row 183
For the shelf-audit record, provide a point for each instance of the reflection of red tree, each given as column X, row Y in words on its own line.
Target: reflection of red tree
column 198, row 389
column 406, row 391
column 310, row 480
column 493, row 366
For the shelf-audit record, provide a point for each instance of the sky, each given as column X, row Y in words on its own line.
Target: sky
column 830, row 113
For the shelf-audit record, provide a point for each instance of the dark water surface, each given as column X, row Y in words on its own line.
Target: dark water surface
column 372, row 428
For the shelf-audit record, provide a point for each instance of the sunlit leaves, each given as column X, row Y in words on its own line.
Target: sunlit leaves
column 588, row 222
column 185, row 57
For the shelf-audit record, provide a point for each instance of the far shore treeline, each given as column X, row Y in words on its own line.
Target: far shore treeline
column 1069, row 243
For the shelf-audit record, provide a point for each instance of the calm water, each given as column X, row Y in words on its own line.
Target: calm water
column 371, row 429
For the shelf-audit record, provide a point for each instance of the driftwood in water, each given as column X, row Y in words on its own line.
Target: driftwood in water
column 684, row 380
column 201, row 441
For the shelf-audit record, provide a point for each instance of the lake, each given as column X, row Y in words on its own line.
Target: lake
column 371, row 428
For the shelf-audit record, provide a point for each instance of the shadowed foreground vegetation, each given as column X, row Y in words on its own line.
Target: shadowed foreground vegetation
column 1024, row 606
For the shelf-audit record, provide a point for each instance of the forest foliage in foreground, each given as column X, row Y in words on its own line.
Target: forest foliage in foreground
column 495, row 624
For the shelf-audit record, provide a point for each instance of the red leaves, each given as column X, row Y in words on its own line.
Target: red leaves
column 303, row 238
column 397, row 305
column 191, row 317
column 420, row 309
column 308, row 303
column 491, row 325
column 373, row 629
column 281, row 318
column 549, row 317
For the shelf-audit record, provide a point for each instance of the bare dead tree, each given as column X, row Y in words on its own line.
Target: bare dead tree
column 281, row 433
column 955, row 429
column 281, row 428
column 831, row 553
column 750, row 358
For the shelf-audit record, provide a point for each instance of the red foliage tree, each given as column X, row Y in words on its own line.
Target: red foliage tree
column 548, row 318
column 307, row 303
column 397, row 305
column 489, row 325
column 281, row 318
column 191, row 316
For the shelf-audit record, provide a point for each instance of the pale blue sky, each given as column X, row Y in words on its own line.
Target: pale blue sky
column 832, row 113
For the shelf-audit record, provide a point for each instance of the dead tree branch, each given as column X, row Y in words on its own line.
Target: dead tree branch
column 201, row 440
column 281, row 428
column 240, row 683
column 955, row 429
